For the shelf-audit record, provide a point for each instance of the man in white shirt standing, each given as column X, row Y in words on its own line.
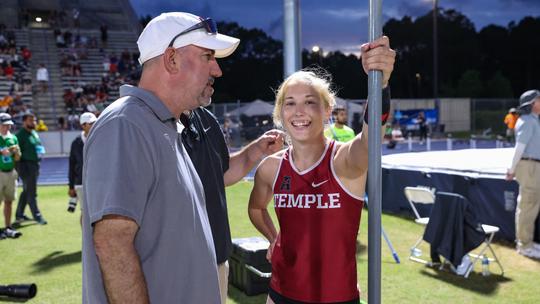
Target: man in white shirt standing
column 42, row 76
column 525, row 168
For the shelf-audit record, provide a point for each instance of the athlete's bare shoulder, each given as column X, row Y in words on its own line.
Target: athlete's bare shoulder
column 269, row 166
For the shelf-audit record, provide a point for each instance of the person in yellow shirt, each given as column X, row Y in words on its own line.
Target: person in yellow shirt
column 41, row 126
column 5, row 103
column 339, row 130
column 510, row 120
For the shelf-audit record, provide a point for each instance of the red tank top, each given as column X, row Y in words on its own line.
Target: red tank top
column 314, row 259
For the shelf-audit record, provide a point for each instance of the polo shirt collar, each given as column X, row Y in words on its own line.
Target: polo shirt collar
column 151, row 100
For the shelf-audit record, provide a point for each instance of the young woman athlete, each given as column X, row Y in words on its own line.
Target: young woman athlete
column 317, row 187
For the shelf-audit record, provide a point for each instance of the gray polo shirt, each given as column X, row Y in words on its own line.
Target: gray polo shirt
column 135, row 165
column 528, row 132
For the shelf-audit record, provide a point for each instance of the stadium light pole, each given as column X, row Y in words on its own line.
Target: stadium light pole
column 435, row 58
column 374, row 165
column 292, row 60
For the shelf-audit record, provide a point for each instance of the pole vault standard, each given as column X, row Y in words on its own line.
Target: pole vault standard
column 374, row 166
column 292, row 61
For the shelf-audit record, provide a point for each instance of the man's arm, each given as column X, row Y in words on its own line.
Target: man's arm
column 241, row 162
column 118, row 260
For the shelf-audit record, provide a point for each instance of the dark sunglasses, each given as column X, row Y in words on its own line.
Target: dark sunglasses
column 208, row 24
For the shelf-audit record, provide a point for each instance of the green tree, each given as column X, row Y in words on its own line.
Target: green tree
column 469, row 85
column 498, row 87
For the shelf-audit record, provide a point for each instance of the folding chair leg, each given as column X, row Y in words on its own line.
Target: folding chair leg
column 487, row 245
column 416, row 259
column 496, row 259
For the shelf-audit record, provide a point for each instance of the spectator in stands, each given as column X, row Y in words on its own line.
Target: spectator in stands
column 339, row 130
column 3, row 41
column 5, row 103
column 510, row 121
column 10, row 153
column 41, row 126
column 73, row 121
column 76, row 14
column 9, row 71
column 525, row 167
column 60, row 41
column 62, row 125
column 28, row 169
column 106, row 63
column 76, row 159
column 67, row 38
column 26, row 55
column 42, row 76
column 114, row 64
column 104, row 34
column 69, row 99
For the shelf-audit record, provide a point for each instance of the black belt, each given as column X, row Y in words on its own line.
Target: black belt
column 7, row 171
column 531, row 159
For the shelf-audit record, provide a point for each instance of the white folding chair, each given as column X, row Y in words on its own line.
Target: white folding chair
column 489, row 232
column 419, row 195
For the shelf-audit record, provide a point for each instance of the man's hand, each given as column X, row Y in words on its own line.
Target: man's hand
column 241, row 162
column 72, row 193
column 510, row 175
column 378, row 55
column 269, row 143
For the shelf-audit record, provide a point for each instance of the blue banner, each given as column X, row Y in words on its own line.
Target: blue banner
column 408, row 119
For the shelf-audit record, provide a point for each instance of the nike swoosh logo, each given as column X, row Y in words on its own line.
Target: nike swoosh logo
column 206, row 129
column 315, row 185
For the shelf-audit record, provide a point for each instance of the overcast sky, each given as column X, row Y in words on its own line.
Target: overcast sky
column 337, row 24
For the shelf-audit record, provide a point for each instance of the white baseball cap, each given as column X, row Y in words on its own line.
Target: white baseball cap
column 87, row 118
column 5, row 119
column 160, row 31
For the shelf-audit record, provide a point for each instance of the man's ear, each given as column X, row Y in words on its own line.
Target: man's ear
column 170, row 61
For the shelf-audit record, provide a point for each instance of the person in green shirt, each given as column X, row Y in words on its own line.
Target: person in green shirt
column 9, row 154
column 339, row 131
column 28, row 169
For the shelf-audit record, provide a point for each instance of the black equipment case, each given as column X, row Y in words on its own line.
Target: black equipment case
column 250, row 271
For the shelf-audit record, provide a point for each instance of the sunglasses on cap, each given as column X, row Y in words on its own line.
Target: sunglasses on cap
column 208, row 24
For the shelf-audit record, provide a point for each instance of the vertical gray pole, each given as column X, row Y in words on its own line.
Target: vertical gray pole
column 292, row 60
column 436, row 59
column 374, row 166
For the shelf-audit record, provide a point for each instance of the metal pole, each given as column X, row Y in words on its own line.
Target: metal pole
column 435, row 59
column 292, row 60
column 374, row 166
column 449, row 142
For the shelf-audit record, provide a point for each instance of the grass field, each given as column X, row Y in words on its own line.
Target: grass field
column 50, row 256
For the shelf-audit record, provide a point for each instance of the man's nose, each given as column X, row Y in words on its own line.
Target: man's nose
column 216, row 70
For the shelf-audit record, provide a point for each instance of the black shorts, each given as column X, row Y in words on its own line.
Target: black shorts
column 279, row 299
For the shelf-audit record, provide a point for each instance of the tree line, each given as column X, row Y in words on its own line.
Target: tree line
column 495, row 62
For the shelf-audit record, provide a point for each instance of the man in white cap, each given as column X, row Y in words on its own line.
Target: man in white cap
column 146, row 236
column 10, row 153
column 75, row 191
column 525, row 168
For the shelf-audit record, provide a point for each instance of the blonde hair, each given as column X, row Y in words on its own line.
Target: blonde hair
column 318, row 79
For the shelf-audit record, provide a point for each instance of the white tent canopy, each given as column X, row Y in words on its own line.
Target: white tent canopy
column 254, row 108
